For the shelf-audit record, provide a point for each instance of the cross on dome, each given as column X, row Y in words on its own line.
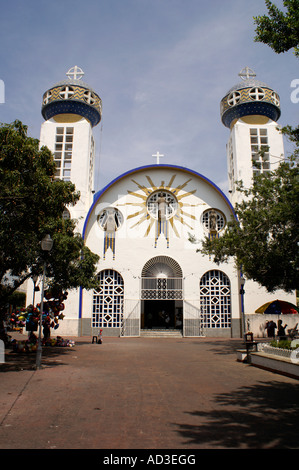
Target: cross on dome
column 75, row 72
column 158, row 155
column 246, row 73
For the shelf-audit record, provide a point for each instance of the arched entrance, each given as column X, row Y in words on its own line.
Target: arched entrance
column 161, row 294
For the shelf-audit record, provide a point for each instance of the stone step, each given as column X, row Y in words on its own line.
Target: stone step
column 161, row 333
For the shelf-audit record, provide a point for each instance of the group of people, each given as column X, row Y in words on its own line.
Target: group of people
column 163, row 319
column 271, row 327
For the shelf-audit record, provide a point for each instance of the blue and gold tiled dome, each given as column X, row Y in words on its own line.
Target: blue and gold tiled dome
column 72, row 97
column 249, row 97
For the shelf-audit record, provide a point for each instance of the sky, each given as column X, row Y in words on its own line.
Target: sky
column 161, row 68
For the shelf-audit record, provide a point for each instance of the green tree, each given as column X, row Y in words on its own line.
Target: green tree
column 279, row 30
column 31, row 205
column 264, row 238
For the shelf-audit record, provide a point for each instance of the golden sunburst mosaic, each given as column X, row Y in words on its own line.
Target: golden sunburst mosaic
column 163, row 206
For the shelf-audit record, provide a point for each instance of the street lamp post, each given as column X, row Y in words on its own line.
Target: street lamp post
column 46, row 245
column 34, row 279
column 242, row 292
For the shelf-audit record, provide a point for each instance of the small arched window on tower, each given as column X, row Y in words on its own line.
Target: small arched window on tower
column 89, row 97
column 275, row 98
column 233, row 98
column 47, row 97
column 257, row 94
column 66, row 92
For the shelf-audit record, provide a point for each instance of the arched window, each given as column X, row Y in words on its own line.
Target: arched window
column 161, row 278
column 257, row 93
column 234, row 98
column 66, row 92
column 66, row 214
column 218, row 223
column 108, row 300
column 215, row 299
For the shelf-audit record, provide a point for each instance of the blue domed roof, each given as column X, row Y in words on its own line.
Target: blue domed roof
column 74, row 82
column 249, row 97
column 250, row 82
column 72, row 96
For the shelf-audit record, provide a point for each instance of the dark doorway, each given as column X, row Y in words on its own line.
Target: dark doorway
column 156, row 313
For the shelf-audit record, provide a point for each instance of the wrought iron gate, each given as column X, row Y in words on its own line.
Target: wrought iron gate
column 193, row 320
column 131, row 318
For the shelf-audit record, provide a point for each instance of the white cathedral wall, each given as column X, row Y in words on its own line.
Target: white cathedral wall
column 255, row 296
column 80, row 171
column 81, row 160
column 47, row 134
column 80, row 165
column 240, row 141
column 132, row 256
column 134, row 248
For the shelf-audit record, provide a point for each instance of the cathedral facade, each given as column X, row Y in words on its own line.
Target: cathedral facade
column 144, row 223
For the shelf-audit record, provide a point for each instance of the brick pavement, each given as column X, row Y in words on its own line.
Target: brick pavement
column 146, row 393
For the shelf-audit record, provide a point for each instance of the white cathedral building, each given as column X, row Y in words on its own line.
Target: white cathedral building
column 150, row 275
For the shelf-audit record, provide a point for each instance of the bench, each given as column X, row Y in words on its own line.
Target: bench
column 250, row 344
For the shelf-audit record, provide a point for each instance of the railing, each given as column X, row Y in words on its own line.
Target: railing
column 193, row 320
column 153, row 288
column 131, row 321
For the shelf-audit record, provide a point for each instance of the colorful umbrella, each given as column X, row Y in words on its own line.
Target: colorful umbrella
column 278, row 307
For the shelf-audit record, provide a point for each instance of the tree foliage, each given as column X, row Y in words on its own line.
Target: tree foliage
column 279, row 30
column 31, row 205
column 264, row 239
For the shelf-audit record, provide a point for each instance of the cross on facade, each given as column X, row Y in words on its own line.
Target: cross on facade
column 157, row 156
column 75, row 72
column 246, row 73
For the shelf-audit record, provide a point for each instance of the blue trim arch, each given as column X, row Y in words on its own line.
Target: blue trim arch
column 147, row 167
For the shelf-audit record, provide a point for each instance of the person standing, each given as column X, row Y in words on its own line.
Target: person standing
column 281, row 330
column 270, row 327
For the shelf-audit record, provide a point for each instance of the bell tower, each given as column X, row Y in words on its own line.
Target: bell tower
column 71, row 109
column 250, row 110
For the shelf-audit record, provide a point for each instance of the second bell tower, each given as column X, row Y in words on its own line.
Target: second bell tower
column 71, row 109
column 250, row 110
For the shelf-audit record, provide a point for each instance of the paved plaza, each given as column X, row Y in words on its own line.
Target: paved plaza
column 145, row 393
